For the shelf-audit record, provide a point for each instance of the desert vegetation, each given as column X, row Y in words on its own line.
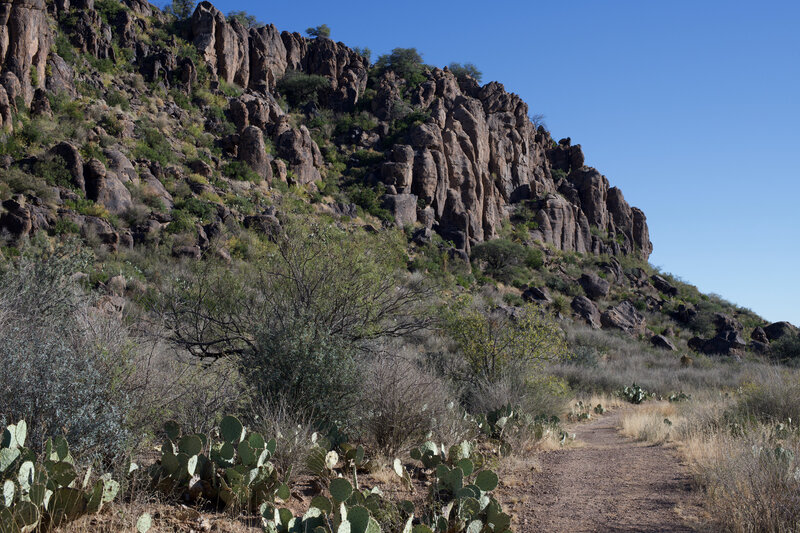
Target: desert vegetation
column 252, row 301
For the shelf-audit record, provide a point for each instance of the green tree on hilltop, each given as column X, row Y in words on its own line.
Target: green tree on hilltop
column 319, row 31
column 182, row 9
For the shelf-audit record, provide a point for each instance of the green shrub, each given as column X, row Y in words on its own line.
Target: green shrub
column 467, row 69
column 153, row 145
column 406, row 63
column 108, row 9
column 118, row 98
column 369, row 199
column 239, row 170
column 300, row 88
column 319, row 31
column 69, row 372
column 54, row 171
column 505, row 260
column 786, row 349
column 65, row 49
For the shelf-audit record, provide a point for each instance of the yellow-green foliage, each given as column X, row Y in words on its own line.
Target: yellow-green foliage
column 491, row 341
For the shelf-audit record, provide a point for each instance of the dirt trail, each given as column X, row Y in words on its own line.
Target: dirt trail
column 607, row 483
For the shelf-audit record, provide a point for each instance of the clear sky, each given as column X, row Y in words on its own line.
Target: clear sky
column 692, row 108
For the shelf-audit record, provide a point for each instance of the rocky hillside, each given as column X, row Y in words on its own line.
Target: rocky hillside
column 137, row 130
column 469, row 157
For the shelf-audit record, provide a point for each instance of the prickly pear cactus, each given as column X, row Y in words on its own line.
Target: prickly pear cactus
column 49, row 492
column 233, row 471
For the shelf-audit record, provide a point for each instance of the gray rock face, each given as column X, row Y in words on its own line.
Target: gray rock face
column 25, row 40
column 595, row 286
column 623, row 316
column 479, row 154
column 106, row 189
column 403, row 207
column 257, row 58
column 253, row 152
column 586, row 309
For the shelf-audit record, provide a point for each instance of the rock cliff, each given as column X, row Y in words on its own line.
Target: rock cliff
column 470, row 161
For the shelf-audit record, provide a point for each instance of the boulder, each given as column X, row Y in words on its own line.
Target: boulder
column 301, row 153
column 759, row 335
column 403, row 208
column 664, row 286
column 623, row 316
column 187, row 252
column 15, row 218
column 777, row 330
column 585, row 308
column 595, row 286
column 535, row 294
column 106, row 189
column 660, row 341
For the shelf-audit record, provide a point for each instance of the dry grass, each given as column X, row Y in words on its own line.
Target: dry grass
column 744, row 460
column 655, row 423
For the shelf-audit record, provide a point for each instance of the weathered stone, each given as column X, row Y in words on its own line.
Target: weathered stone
column 778, row 330
column 759, row 335
column 16, row 217
column 106, row 189
column 660, row 341
column 188, row 252
column 40, row 106
column 403, row 208
column 535, row 294
column 623, row 316
column 586, row 309
column 73, row 161
column 302, row 154
column 664, row 286
column 595, row 286
column 25, row 41
column 253, row 152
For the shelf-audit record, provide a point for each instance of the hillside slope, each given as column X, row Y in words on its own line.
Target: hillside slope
column 136, row 130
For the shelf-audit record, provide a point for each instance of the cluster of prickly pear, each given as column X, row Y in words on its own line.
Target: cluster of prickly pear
column 494, row 424
column 49, row 492
column 460, row 490
column 679, row 397
column 460, row 499
column 347, row 509
column 235, row 470
column 635, row 394
column 432, row 455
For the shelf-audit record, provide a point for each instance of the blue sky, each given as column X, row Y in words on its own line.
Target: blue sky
column 691, row 108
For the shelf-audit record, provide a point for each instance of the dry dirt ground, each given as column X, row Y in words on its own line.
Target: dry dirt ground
column 604, row 482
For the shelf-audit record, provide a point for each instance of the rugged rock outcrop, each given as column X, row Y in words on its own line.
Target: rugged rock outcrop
column 727, row 341
column 257, row 58
column 479, row 156
column 25, row 40
column 594, row 286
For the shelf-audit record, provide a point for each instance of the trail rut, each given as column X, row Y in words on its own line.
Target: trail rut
column 607, row 483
